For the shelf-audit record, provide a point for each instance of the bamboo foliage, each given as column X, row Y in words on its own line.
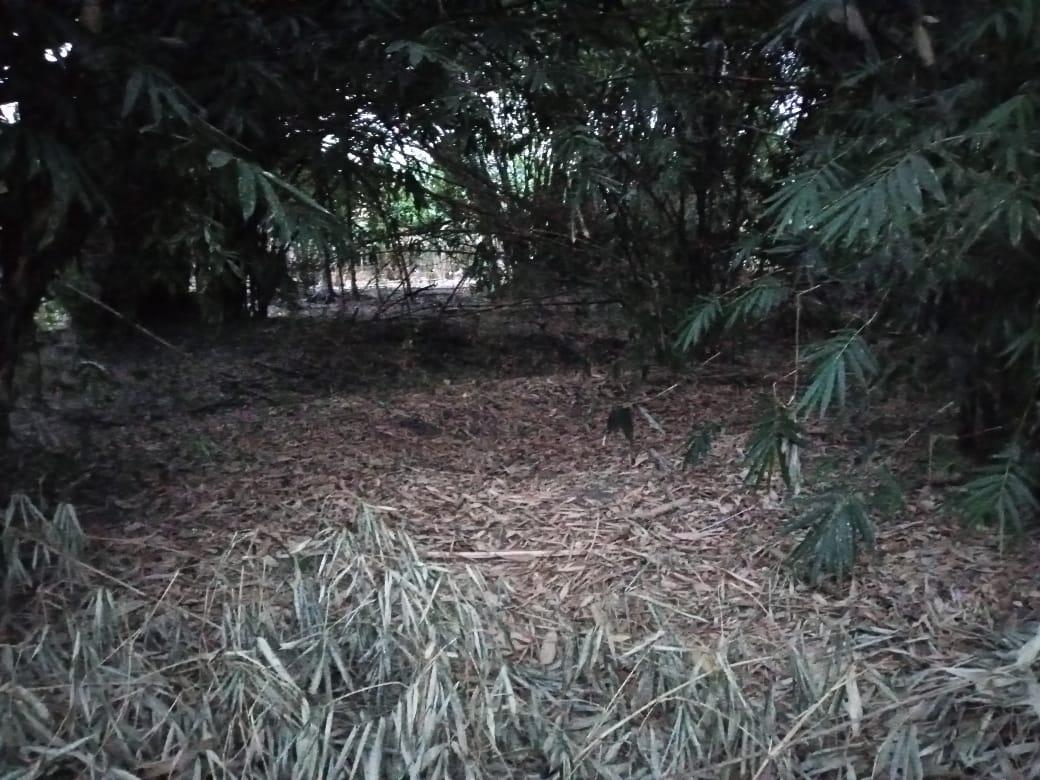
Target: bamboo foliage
column 349, row 655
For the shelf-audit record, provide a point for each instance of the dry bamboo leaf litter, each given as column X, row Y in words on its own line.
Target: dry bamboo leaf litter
column 523, row 490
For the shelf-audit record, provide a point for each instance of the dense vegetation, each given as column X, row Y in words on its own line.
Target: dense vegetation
column 856, row 184
column 862, row 174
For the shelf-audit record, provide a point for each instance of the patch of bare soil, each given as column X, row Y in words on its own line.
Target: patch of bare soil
column 488, row 445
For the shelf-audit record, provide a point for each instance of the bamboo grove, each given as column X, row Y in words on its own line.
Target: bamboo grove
column 861, row 173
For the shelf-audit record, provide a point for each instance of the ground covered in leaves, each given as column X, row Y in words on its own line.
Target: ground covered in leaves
column 483, row 439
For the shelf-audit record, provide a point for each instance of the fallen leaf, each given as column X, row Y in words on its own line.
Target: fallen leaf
column 547, row 652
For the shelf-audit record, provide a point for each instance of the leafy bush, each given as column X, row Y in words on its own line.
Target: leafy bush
column 908, row 207
column 699, row 443
column 838, row 527
column 35, row 546
column 775, row 447
column 1003, row 494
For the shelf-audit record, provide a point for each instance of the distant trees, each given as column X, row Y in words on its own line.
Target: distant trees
column 154, row 147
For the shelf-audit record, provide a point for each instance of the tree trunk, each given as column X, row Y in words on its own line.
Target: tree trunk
column 23, row 282
column 330, row 291
column 24, row 277
column 231, row 296
column 354, row 292
column 12, row 328
column 268, row 270
column 352, row 257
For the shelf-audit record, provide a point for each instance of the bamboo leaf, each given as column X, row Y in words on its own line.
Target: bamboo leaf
column 133, row 91
column 831, row 361
column 246, row 189
column 218, row 158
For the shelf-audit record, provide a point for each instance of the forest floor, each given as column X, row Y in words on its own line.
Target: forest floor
column 484, row 437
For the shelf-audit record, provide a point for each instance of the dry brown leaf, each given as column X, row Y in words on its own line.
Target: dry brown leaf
column 853, row 703
column 688, row 536
column 1029, row 652
column 547, row 652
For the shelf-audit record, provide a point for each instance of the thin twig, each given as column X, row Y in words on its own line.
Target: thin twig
column 226, row 376
column 127, row 320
